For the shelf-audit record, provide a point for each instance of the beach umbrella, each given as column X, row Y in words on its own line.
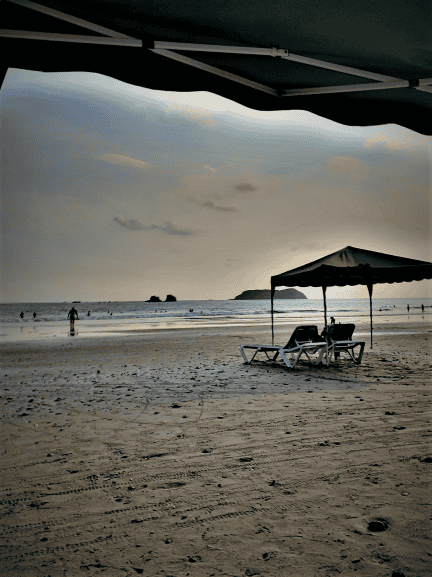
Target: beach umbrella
column 356, row 62
column 352, row 266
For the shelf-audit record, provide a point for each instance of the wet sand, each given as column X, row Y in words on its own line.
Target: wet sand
column 162, row 453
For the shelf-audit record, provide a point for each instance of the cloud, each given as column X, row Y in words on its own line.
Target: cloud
column 169, row 227
column 245, row 187
column 396, row 138
column 210, row 204
column 196, row 113
column 386, row 142
column 210, row 168
column 123, row 160
column 348, row 166
column 129, row 223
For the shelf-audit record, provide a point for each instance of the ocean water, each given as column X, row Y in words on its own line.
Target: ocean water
column 109, row 318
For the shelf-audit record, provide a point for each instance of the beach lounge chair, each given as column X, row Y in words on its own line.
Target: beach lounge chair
column 340, row 341
column 305, row 340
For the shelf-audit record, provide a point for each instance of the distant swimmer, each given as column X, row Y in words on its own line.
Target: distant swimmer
column 422, row 308
column 408, row 308
column 22, row 314
column 191, row 310
column 72, row 315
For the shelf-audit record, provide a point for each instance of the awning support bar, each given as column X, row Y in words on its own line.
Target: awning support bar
column 69, row 18
column 81, row 39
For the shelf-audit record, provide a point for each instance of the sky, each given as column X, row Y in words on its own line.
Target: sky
column 115, row 192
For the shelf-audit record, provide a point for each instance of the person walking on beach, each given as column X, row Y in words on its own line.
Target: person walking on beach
column 422, row 308
column 408, row 308
column 72, row 315
column 21, row 314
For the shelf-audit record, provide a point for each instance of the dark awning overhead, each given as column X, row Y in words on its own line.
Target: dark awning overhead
column 354, row 266
column 269, row 55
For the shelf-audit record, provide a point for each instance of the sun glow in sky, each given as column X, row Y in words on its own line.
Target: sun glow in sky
column 116, row 192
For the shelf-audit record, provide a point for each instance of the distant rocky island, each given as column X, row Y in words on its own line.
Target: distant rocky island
column 290, row 293
column 169, row 299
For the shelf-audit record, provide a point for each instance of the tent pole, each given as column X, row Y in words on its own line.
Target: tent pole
column 324, row 288
column 370, row 288
column 272, row 295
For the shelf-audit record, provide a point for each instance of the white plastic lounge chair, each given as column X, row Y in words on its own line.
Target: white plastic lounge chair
column 304, row 340
column 340, row 341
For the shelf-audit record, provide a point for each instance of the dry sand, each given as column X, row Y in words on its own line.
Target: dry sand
column 163, row 454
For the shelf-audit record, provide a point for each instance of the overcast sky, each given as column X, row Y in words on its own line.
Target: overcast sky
column 114, row 192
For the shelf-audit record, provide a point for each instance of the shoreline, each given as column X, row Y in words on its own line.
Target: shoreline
column 46, row 332
column 163, row 453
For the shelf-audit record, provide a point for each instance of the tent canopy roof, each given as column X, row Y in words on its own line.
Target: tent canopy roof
column 379, row 38
column 353, row 266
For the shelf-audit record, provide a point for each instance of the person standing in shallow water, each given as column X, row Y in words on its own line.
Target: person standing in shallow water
column 422, row 308
column 72, row 315
column 408, row 308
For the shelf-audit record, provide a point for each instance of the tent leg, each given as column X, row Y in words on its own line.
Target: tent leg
column 272, row 295
column 324, row 288
column 370, row 288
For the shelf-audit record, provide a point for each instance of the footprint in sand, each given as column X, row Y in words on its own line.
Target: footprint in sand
column 378, row 525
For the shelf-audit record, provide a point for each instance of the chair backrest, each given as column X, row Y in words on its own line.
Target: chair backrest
column 303, row 334
column 341, row 332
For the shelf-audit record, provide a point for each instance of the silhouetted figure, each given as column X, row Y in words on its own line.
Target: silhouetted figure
column 332, row 321
column 191, row 310
column 34, row 315
column 408, row 308
column 72, row 315
column 21, row 314
column 88, row 314
column 422, row 308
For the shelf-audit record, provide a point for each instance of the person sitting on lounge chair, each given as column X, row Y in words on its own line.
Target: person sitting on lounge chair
column 340, row 340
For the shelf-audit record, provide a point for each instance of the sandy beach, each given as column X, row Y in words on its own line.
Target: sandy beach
column 162, row 453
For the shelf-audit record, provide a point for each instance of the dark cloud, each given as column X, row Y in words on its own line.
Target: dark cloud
column 245, row 187
column 133, row 224
column 210, row 204
column 129, row 223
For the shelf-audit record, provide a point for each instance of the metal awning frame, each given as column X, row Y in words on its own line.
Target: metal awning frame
column 113, row 38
